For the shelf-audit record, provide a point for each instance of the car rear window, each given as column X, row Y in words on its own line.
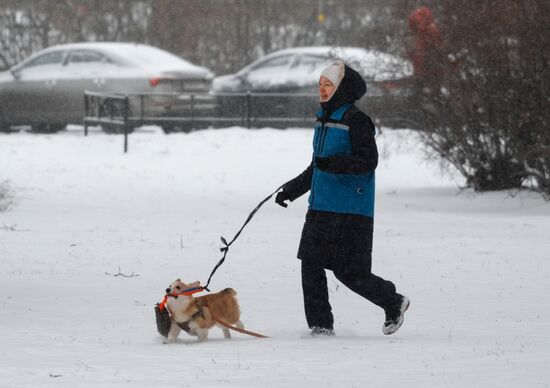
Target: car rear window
column 144, row 55
column 87, row 56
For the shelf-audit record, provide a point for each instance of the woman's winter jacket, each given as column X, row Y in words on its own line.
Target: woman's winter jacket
column 341, row 181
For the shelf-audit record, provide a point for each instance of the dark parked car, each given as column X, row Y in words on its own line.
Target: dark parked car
column 46, row 90
column 284, row 86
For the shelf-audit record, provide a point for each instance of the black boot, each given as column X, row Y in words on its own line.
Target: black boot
column 395, row 315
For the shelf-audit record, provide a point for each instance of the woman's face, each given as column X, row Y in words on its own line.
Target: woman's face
column 326, row 89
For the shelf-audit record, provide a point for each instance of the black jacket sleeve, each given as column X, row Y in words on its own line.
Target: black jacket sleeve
column 299, row 185
column 364, row 157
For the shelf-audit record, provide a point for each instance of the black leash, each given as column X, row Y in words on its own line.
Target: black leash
column 225, row 249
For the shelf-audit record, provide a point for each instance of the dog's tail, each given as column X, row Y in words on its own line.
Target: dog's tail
column 229, row 291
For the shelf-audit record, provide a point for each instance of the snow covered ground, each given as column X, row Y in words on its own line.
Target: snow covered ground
column 476, row 267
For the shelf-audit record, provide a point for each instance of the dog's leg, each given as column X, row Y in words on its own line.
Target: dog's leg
column 202, row 334
column 239, row 324
column 173, row 333
column 226, row 333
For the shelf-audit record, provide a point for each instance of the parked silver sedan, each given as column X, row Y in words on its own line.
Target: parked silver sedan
column 46, row 91
column 280, row 82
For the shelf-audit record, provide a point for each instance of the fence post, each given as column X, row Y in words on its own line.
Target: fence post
column 125, row 120
column 141, row 107
column 86, row 108
column 248, row 108
column 192, row 109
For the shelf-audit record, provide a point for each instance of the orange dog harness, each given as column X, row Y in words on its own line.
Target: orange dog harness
column 189, row 291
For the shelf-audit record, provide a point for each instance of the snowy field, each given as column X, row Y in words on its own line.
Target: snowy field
column 476, row 267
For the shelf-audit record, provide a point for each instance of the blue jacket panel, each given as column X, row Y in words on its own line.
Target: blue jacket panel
column 339, row 192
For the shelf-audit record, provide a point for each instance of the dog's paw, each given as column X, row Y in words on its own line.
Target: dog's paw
column 168, row 340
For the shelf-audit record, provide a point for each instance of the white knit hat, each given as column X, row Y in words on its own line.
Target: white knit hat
column 334, row 73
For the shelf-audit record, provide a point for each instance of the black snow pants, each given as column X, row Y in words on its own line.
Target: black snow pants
column 359, row 279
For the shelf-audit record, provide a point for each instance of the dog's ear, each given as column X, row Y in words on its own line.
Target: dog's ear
column 178, row 280
column 194, row 284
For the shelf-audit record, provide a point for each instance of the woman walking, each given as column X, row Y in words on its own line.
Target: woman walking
column 338, row 230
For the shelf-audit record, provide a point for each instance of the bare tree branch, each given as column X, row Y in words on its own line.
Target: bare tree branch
column 121, row 274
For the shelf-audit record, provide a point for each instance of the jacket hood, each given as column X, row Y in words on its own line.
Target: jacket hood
column 351, row 88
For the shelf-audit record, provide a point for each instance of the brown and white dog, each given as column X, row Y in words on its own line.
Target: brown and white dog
column 197, row 315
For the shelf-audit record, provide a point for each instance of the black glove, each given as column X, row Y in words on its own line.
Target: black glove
column 321, row 163
column 281, row 197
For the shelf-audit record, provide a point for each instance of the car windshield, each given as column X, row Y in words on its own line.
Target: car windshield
column 311, row 63
column 269, row 73
column 282, row 61
column 51, row 58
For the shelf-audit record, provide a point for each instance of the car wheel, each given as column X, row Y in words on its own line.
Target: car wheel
column 4, row 127
column 8, row 129
column 47, row 128
column 177, row 127
column 112, row 129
